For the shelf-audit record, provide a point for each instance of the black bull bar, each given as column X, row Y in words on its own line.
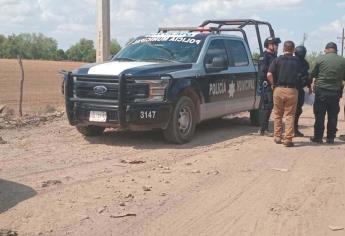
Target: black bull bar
column 70, row 100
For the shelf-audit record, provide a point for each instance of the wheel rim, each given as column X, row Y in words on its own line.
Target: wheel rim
column 184, row 120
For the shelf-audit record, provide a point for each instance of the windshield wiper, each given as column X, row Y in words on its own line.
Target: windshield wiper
column 124, row 59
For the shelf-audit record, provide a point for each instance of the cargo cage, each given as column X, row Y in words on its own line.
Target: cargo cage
column 235, row 26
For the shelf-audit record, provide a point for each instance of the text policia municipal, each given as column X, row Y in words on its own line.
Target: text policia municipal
column 168, row 38
column 221, row 87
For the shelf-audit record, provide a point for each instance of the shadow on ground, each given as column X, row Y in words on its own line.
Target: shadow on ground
column 12, row 193
column 337, row 142
column 207, row 133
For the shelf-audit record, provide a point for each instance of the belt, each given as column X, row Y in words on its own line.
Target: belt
column 287, row 86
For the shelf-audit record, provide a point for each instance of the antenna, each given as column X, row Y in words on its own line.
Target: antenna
column 305, row 37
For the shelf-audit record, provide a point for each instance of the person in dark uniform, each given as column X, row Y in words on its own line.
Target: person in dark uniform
column 342, row 137
column 284, row 74
column 266, row 102
column 300, row 53
column 329, row 74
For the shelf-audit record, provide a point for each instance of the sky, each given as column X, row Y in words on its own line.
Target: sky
column 68, row 21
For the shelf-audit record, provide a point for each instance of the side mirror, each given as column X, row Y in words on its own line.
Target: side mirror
column 218, row 64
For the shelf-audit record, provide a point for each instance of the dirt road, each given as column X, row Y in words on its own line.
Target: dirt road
column 227, row 181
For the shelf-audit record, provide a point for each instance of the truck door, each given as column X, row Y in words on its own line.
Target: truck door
column 214, row 82
column 242, row 84
column 231, row 89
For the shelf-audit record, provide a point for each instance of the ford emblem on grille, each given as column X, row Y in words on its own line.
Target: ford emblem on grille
column 99, row 90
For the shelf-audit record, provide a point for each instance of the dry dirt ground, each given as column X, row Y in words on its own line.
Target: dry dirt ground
column 42, row 84
column 227, row 181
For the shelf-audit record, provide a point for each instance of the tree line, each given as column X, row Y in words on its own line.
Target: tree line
column 40, row 47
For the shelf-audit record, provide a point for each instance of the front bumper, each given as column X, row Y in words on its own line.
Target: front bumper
column 119, row 113
column 137, row 116
column 147, row 116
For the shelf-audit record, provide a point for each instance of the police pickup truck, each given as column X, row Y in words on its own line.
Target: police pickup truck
column 171, row 80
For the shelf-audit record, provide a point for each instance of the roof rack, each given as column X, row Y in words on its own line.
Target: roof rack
column 203, row 29
column 241, row 23
column 189, row 29
column 235, row 25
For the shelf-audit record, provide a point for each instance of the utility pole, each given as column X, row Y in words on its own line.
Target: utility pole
column 342, row 38
column 103, row 30
column 342, row 43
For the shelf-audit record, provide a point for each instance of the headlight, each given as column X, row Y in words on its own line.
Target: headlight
column 157, row 89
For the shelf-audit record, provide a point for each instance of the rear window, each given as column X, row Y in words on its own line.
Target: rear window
column 237, row 52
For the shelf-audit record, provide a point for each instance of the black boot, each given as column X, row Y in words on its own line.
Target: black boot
column 297, row 132
column 316, row 140
column 330, row 140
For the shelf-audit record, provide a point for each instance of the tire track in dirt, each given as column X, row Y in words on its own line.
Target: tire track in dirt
column 233, row 210
column 222, row 183
column 90, row 168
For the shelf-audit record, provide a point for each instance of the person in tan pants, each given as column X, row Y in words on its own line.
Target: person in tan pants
column 284, row 75
column 285, row 103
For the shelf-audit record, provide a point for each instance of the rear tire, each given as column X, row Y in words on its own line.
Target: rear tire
column 254, row 117
column 182, row 124
column 91, row 130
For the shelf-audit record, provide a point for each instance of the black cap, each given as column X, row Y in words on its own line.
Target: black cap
column 331, row 45
column 277, row 41
column 272, row 40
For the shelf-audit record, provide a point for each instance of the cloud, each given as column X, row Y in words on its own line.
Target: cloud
column 17, row 12
column 131, row 18
column 340, row 5
column 68, row 21
column 326, row 33
column 199, row 10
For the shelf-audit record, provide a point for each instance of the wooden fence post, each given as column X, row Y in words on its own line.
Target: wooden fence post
column 21, row 85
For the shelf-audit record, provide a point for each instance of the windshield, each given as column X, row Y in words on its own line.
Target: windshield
column 164, row 48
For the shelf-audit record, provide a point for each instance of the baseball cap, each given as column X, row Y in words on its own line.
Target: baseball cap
column 331, row 45
column 272, row 40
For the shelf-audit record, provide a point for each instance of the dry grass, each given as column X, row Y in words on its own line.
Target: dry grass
column 42, row 85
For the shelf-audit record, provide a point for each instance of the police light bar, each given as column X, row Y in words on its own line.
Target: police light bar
column 167, row 29
column 200, row 29
column 204, row 29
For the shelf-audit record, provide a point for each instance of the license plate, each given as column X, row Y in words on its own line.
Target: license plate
column 98, row 116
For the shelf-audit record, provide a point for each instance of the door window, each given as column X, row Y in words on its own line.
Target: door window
column 237, row 52
column 215, row 49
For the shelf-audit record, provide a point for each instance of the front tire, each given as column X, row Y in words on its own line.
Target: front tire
column 91, row 130
column 182, row 124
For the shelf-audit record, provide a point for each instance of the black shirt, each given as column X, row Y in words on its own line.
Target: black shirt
column 287, row 70
column 305, row 80
column 264, row 64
